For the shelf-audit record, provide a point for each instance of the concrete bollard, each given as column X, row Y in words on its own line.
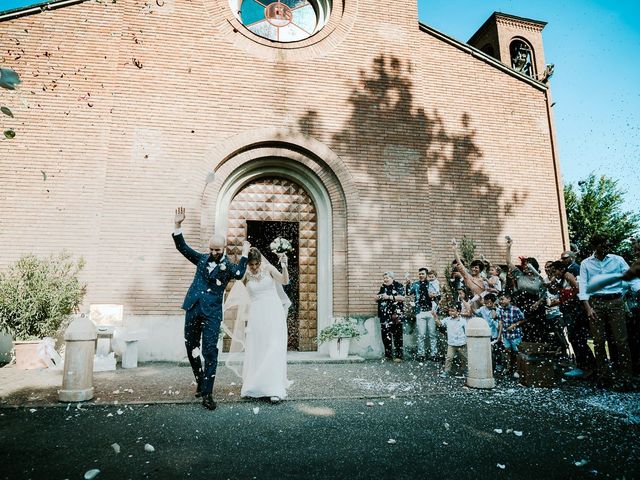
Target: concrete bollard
column 130, row 351
column 77, row 379
column 480, row 368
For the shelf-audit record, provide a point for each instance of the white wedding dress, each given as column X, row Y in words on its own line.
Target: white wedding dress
column 264, row 370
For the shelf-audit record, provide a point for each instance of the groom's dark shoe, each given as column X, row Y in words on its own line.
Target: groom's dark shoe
column 208, row 403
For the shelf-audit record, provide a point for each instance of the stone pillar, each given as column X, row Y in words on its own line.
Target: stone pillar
column 77, row 379
column 480, row 367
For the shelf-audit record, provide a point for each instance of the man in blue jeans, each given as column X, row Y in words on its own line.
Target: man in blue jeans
column 203, row 304
column 425, row 315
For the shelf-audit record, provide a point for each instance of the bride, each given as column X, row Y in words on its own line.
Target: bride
column 263, row 307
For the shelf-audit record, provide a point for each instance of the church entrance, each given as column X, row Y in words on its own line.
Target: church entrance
column 271, row 207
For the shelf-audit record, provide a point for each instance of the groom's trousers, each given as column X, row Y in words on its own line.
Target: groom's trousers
column 199, row 324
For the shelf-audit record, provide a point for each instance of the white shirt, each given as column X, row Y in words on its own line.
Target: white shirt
column 434, row 287
column 456, row 331
column 611, row 264
column 211, row 265
column 485, row 313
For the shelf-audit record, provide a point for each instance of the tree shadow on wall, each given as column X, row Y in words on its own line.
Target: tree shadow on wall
column 395, row 149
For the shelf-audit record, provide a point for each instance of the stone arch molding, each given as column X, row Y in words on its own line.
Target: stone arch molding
column 290, row 154
column 528, row 43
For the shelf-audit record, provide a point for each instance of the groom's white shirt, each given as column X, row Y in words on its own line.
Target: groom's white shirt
column 210, row 265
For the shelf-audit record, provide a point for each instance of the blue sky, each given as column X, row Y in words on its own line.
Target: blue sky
column 595, row 47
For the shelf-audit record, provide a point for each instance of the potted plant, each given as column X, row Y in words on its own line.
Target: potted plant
column 339, row 335
column 37, row 296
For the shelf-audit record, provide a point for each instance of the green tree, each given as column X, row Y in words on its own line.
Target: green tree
column 467, row 250
column 595, row 206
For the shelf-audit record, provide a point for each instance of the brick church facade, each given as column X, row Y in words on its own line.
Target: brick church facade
column 370, row 137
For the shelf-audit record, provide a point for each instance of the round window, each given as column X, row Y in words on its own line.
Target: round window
column 282, row 20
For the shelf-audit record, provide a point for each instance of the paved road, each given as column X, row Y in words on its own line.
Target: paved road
column 440, row 435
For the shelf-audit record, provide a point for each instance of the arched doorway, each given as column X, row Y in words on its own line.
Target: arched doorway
column 265, row 208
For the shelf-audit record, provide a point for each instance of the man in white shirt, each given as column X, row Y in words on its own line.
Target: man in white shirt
column 604, row 306
column 605, row 279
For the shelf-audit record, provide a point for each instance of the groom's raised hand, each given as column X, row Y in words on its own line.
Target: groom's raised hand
column 179, row 217
column 245, row 248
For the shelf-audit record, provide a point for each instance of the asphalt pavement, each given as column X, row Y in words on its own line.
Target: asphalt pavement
column 350, row 420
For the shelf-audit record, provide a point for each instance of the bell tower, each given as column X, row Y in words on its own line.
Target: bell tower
column 515, row 41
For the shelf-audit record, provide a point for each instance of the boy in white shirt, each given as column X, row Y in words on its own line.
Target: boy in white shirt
column 489, row 313
column 456, row 338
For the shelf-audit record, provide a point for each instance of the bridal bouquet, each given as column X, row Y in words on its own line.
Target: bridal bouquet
column 280, row 245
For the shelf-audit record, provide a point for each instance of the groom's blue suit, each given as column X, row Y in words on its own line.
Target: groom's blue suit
column 203, row 306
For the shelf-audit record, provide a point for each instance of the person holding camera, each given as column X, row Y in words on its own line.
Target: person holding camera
column 390, row 300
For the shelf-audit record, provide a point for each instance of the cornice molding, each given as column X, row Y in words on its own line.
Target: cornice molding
column 526, row 25
column 480, row 55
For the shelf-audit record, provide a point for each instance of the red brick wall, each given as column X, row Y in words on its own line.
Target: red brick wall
column 437, row 143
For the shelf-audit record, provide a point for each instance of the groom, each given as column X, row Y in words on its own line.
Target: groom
column 203, row 304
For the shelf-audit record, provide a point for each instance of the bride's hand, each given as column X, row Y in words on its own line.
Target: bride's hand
column 284, row 261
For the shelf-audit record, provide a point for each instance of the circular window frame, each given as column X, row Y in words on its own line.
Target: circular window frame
column 341, row 20
column 322, row 16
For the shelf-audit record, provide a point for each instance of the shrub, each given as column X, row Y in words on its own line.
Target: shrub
column 38, row 294
column 467, row 250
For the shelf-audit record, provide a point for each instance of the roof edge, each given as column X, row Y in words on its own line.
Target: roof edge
column 480, row 55
column 37, row 8
column 493, row 18
column 539, row 23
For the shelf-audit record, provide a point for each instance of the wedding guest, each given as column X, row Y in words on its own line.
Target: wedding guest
column 574, row 319
column 390, row 300
column 568, row 258
column 494, row 284
column 434, row 287
column 488, row 312
column 510, row 321
column 472, row 277
column 633, row 302
column 456, row 326
column 455, row 279
column 425, row 314
column 553, row 315
column 529, row 296
column 605, row 306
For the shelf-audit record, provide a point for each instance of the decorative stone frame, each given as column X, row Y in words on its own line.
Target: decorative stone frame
column 534, row 66
column 341, row 21
column 308, row 162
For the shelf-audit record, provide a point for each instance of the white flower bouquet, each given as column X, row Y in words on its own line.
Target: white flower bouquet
column 280, row 245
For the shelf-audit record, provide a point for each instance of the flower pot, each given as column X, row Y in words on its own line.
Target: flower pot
column 339, row 348
column 27, row 357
